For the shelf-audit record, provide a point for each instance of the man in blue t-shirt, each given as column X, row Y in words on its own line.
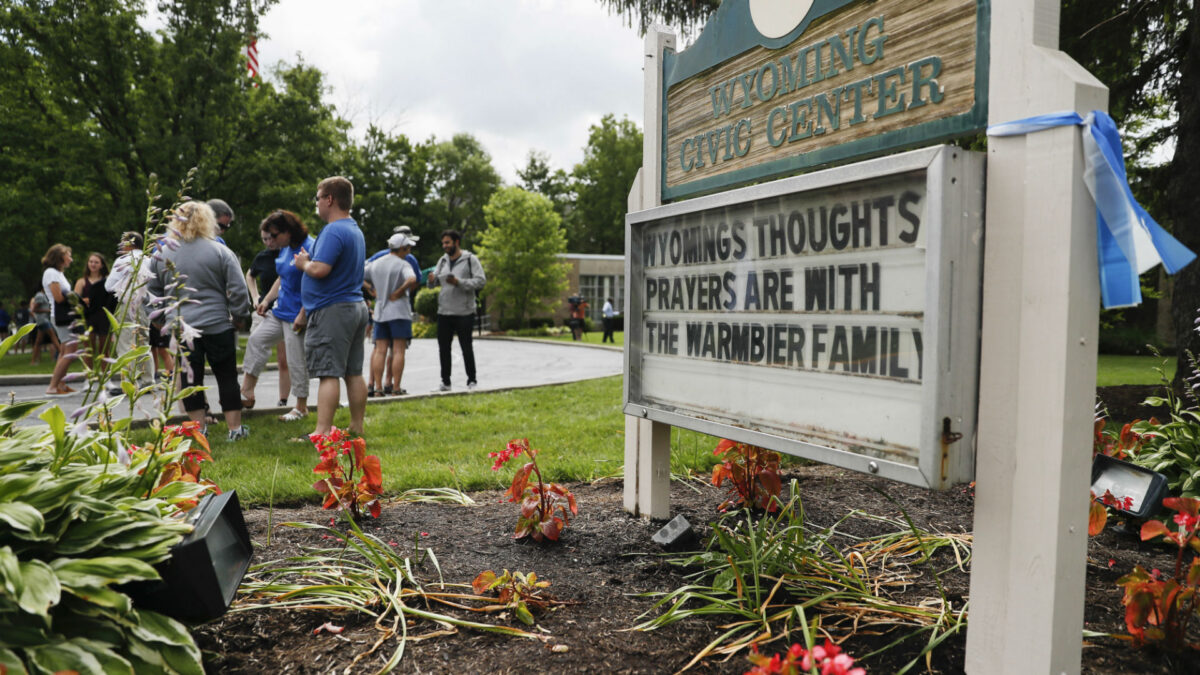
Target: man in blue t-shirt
column 335, row 315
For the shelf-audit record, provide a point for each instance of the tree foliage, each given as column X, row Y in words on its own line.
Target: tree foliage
column 520, row 251
column 686, row 14
column 611, row 161
column 462, row 180
column 92, row 104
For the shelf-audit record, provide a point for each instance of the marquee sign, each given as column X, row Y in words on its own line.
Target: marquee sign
column 772, row 87
column 833, row 316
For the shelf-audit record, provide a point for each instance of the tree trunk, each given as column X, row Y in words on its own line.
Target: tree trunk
column 1184, row 199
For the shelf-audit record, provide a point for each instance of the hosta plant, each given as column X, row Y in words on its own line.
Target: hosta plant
column 546, row 508
column 751, row 471
column 75, row 525
column 342, row 457
column 1159, row 610
column 516, row 590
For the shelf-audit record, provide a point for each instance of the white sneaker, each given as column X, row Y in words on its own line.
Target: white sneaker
column 472, row 384
column 443, row 387
column 239, row 433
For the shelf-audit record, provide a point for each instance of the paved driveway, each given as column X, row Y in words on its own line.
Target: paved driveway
column 501, row 364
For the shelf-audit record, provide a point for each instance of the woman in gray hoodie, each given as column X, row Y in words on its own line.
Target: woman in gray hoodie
column 207, row 295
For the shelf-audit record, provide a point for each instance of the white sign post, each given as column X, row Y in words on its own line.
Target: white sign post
column 1038, row 366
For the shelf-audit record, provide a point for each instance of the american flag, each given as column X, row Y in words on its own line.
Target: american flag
column 252, row 59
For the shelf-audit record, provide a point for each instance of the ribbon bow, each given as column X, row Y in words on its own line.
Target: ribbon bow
column 1130, row 241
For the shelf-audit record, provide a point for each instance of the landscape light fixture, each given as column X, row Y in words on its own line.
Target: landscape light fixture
column 1147, row 488
column 202, row 576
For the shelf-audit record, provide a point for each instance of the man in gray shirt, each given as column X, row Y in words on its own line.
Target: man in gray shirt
column 460, row 275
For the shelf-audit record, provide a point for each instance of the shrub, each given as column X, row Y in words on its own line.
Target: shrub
column 427, row 303
column 424, row 329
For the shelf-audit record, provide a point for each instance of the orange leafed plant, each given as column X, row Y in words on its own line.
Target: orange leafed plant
column 546, row 508
column 341, row 458
column 753, row 474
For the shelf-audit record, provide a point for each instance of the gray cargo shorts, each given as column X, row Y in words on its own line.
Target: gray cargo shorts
column 333, row 340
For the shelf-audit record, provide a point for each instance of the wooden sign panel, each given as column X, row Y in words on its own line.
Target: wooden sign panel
column 851, row 79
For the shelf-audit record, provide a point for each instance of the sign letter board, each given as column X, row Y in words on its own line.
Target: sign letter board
column 833, row 316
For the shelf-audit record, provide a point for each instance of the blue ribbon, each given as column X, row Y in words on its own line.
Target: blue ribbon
column 1129, row 240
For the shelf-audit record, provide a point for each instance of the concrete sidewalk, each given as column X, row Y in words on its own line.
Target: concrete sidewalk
column 502, row 363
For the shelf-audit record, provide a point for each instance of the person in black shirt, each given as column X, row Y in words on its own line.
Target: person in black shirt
column 262, row 275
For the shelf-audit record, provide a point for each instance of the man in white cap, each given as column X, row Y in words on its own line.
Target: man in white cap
column 412, row 259
column 391, row 277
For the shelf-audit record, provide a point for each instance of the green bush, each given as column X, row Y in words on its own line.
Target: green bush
column 424, row 329
column 427, row 303
column 1130, row 339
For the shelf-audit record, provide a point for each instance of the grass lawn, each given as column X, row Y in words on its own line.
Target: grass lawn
column 591, row 337
column 1119, row 369
column 443, row 441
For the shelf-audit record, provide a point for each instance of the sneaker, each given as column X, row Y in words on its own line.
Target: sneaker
column 239, row 433
column 472, row 384
column 444, row 387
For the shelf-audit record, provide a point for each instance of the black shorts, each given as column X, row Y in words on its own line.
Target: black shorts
column 159, row 338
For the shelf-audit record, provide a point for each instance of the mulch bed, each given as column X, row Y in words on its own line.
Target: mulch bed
column 606, row 558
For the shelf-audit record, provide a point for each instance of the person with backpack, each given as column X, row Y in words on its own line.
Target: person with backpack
column 460, row 275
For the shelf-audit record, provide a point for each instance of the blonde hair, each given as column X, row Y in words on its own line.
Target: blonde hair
column 193, row 220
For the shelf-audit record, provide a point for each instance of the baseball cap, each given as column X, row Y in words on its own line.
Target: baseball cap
column 404, row 229
column 400, row 241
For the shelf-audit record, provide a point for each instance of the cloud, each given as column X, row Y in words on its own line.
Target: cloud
column 518, row 74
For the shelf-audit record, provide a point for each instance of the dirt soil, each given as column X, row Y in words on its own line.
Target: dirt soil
column 605, row 558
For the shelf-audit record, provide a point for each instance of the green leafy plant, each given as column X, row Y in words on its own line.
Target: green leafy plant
column 1160, row 610
column 83, row 512
column 753, row 474
column 341, row 458
column 545, row 508
column 77, row 525
column 516, row 591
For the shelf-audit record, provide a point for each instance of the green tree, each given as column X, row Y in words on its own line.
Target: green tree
column 611, row 161
column 1148, row 53
column 391, row 185
column 91, row 104
column 520, row 249
column 553, row 184
column 462, row 180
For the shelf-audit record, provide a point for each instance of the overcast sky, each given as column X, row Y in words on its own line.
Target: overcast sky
column 517, row 74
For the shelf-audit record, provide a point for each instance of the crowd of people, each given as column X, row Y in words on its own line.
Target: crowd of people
column 314, row 300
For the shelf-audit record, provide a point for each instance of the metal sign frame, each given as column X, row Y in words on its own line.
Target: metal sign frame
column 953, row 216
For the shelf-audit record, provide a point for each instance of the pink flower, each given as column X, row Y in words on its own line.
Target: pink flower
column 424, row 534
column 392, row 543
column 1156, row 574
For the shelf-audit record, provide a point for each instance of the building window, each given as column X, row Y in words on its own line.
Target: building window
column 594, row 289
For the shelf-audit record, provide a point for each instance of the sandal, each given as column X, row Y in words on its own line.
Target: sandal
column 248, row 403
column 282, row 403
column 293, row 415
